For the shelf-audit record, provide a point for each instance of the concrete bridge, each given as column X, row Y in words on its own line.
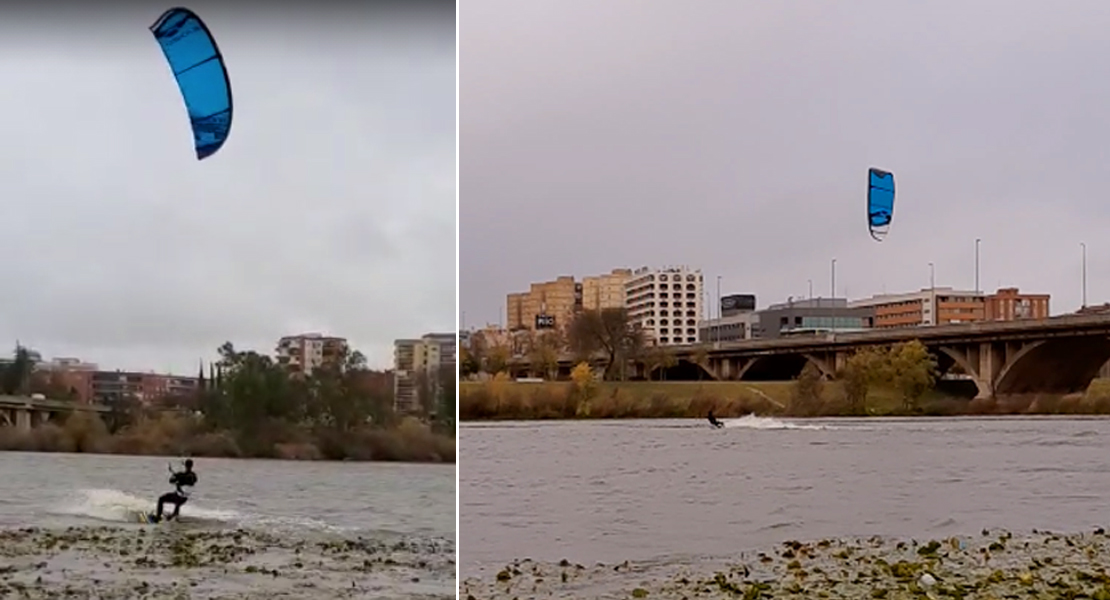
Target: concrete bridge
column 25, row 412
column 1058, row 355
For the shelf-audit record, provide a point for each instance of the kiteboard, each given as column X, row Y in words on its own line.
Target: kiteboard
column 143, row 516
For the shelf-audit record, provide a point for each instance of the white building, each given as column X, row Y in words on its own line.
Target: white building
column 416, row 358
column 666, row 303
column 308, row 351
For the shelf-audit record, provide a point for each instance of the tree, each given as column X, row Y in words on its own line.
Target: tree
column 253, row 389
column 608, row 331
column 859, row 372
column 584, row 386
column 543, row 354
column 16, row 375
column 912, row 370
column 335, row 391
column 476, row 351
column 468, row 363
column 448, row 399
column 497, row 359
column 807, row 393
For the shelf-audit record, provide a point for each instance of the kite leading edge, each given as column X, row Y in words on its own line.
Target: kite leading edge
column 880, row 202
column 201, row 76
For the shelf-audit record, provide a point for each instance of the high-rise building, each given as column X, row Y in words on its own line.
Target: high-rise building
column 546, row 305
column 308, row 351
column 666, row 303
column 417, row 364
column 605, row 291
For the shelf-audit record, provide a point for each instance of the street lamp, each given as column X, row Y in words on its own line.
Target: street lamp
column 932, row 276
column 810, row 281
column 1083, row 245
column 833, row 279
column 977, row 240
column 718, row 308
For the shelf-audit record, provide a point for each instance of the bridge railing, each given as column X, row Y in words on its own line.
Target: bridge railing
column 27, row 402
column 891, row 335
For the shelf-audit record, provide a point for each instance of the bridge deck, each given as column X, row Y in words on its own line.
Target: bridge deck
column 1062, row 326
column 28, row 403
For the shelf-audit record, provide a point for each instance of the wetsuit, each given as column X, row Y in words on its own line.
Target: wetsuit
column 180, row 480
column 713, row 420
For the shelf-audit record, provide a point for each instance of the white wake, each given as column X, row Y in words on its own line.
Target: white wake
column 756, row 422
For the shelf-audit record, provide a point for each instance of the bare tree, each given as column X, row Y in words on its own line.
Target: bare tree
column 608, row 331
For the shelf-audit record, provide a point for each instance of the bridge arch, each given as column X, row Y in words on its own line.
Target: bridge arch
column 828, row 369
column 983, row 385
column 1056, row 366
column 683, row 370
column 772, row 367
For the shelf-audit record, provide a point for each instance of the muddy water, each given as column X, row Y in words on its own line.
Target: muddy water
column 680, row 492
column 252, row 529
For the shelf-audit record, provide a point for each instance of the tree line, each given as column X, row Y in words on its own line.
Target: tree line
column 245, row 390
column 606, row 335
column 610, row 337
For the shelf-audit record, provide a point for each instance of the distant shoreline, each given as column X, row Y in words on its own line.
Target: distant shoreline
column 556, row 400
column 174, row 436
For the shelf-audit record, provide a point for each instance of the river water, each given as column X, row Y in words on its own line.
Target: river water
column 276, row 528
column 680, row 491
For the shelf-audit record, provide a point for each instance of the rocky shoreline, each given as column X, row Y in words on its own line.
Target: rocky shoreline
column 177, row 562
column 991, row 565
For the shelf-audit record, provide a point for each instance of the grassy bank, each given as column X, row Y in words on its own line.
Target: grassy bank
column 173, row 434
column 507, row 400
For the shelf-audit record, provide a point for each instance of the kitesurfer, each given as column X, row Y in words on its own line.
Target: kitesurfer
column 180, row 480
column 713, row 420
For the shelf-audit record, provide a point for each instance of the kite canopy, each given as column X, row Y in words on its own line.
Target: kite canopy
column 880, row 202
column 201, row 76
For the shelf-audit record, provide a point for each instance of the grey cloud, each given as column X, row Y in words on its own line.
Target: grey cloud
column 735, row 136
column 330, row 208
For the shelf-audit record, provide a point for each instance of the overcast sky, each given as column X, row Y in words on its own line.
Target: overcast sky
column 331, row 208
column 735, row 136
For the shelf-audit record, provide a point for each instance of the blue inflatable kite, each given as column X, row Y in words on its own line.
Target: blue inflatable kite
column 201, row 76
column 880, row 202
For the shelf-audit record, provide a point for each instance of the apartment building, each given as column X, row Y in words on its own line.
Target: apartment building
column 307, row 351
column 546, row 305
column 666, row 303
column 930, row 306
column 108, row 387
column 414, row 359
column 944, row 305
column 605, row 291
column 1009, row 304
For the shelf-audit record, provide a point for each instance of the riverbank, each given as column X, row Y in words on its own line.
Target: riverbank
column 992, row 564
column 508, row 400
column 173, row 561
column 170, row 434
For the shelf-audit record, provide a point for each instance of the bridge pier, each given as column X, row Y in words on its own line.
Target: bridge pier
column 1055, row 366
column 23, row 419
